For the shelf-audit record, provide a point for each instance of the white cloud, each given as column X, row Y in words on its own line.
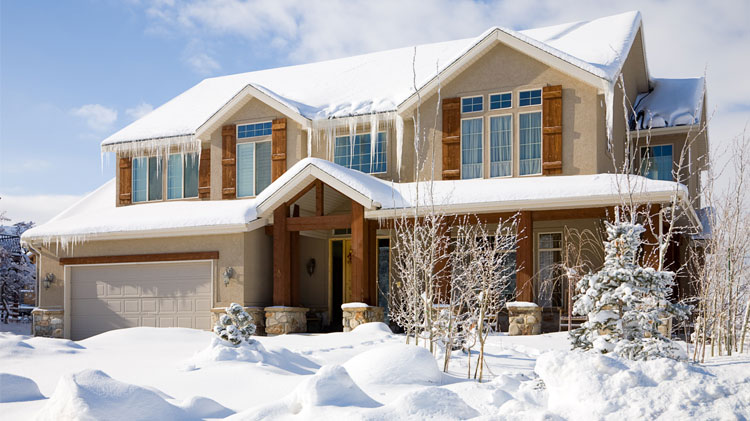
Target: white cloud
column 139, row 110
column 202, row 63
column 37, row 208
column 27, row 165
column 97, row 117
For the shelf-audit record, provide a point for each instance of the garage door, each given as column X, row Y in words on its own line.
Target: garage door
column 110, row 297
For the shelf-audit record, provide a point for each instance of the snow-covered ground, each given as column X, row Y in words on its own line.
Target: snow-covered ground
column 147, row 373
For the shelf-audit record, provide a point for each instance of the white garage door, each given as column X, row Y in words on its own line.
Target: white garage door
column 151, row 294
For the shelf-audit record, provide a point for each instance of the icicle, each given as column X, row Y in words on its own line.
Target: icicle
column 609, row 99
column 373, row 139
column 399, row 142
column 158, row 146
column 309, row 142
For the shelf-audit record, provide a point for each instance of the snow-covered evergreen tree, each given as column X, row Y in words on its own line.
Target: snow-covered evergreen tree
column 624, row 302
column 235, row 326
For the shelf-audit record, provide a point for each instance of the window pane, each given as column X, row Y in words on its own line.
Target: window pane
column 501, row 135
column 471, row 148
column 140, row 175
column 253, row 130
column 656, row 162
column 500, row 101
column 472, row 104
column 262, row 166
column 550, row 241
column 530, row 143
column 174, row 176
column 154, row 178
column 191, row 175
column 379, row 163
column 245, row 162
column 342, row 151
column 530, row 97
column 361, row 154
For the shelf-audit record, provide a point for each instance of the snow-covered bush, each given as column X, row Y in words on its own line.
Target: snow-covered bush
column 235, row 326
column 625, row 302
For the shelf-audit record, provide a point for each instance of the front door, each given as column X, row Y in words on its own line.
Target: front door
column 341, row 278
column 347, row 287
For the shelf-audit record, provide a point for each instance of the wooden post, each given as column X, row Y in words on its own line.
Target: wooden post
column 294, row 261
column 372, row 273
column 525, row 258
column 319, row 198
column 281, row 258
column 360, row 251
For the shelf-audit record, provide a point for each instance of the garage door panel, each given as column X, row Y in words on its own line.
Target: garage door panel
column 110, row 297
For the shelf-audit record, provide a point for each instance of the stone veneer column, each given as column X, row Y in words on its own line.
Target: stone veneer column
column 281, row 320
column 47, row 322
column 257, row 313
column 356, row 314
column 524, row 318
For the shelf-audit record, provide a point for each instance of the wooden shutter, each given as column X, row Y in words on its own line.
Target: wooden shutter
column 278, row 148
column 126, row 181
column 552, row 130
column 451, row 138
column 229, row 162
column 204, row 174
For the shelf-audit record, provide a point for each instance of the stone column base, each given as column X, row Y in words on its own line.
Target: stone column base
column 257, row 313
column 356, row 314
column 281, row 320
column 524, row 318
column 47, row 322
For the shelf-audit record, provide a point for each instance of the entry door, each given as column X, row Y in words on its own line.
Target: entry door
column 348, row 271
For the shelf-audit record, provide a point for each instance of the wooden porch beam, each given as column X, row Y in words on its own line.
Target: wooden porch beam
column 281, row 258
column 327, row 222
column 299, row 195
column 525, row 257
column 294, row 260
column 319, row 198
column 360, row 253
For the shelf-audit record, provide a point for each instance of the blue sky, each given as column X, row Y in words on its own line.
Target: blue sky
column 73, row 72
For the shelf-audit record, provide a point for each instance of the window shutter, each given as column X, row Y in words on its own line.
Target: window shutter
column 278, row 148
column 228, row 161
column 126, row 181
column 204, row 174
column 451, row 138
column 552, row 130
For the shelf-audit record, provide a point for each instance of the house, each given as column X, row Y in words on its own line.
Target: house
column 274, row 188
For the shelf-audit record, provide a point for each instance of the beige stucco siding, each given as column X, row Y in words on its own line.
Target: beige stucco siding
column 258, row 279
column 313, row 288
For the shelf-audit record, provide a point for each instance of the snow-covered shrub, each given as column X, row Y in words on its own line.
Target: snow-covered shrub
column 235, row 326
column 624, row 302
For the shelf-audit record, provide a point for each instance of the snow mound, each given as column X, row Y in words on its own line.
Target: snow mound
column 221, row 351
column 661, row 388
column 428, row 403
column 201, row 407
column 12, row 345
column 395, row 364
column 93, row 395
column 18, row 388
column 373, row 328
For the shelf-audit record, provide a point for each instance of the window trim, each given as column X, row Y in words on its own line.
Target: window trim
column 148, row 184
column 461, row 148
column 350, row 136
column 182, row 165
column 541, row 97
column 252, row 138
column 489, row 101
column 471, row 96
column 512, row 145
column 640, row 159
column 541, row 146
column 257, row 139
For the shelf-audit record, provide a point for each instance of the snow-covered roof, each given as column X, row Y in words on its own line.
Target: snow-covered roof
column 377, row 82
column 671, row 102
column 96, row 215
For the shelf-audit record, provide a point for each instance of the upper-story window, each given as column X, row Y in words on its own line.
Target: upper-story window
column 356, row 152
column 501, row 145
column 182, row 176
column 471, row 148
column 656, row 162
column 532, row 97
column 472, row 104
column 501, row 101
column 530, row 143
column 147, row 179
column 253, row 168
column 254, row 130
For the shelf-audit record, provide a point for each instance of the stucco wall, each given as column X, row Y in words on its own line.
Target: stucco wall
column 258, row 268
column 313, row 289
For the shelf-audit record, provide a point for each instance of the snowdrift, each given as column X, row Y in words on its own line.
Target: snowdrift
column 18, row 388
column 221, row 351
column 395, row 364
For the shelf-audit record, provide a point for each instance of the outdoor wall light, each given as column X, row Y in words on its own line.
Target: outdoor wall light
column 311, row 266
column 48, row 280
column 228, row 273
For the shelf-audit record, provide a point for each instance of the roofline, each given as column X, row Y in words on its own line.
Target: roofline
column 661, row 131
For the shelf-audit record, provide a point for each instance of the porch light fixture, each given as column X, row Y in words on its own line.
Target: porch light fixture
column 311, row 266
column 227, row 275
column 48, row 280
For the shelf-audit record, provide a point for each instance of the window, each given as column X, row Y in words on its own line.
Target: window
column 471, row 104
column 500, row 101
column 182, row 176
column 147, row 179
column 355, row 152
column 501, row 149
column 533, row 97
column 471, row 148
column 549, row 288
column 656, row 162
column 253, row 168
column 253, row 130
column 530, row 143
